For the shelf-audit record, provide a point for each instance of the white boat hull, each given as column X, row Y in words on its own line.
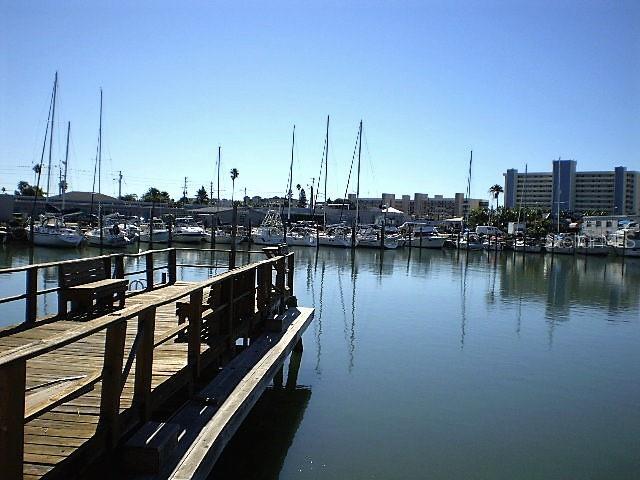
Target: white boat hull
column 427, row 242
column 158, row 237
column 56, row 239
column 186, row 237
column 340, row 242
column 304, row 241
column 267, row 239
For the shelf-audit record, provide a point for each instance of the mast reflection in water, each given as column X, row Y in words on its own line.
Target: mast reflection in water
column 449, row 364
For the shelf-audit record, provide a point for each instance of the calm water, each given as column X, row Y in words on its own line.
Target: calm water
column 442, row 365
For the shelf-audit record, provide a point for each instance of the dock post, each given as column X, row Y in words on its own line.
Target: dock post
column 170, row 228
column 12, row 384
column 290, row 272
column 144, row 363
column 118, row 271
column 234, row 227
column 31, row 303
column 317, row 237
column 212, row 240
column 353, row 235
column 151, row 225
column 193, row 332
column 112, row 382
column 172, row 266
column 149, row 269
column 382, row 232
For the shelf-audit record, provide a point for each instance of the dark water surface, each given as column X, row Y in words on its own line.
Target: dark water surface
column 441, row 365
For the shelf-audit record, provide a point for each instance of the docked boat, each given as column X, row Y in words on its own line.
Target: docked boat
column 270, row 231
column 423, row 236
column 112, row 236
column 370, row 238
column 560, row 243
column 52, row 232
column 626, row 241
column 160, row 231
column 336, row 236
column 224, row 236
column 470, row 241
column 186, row 230
column 527, row 245
column 301, row 237
column 587, row 245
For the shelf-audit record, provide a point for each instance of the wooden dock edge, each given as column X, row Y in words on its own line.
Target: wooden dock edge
column 211, row 418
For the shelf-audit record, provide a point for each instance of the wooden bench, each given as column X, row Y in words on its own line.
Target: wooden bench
column 84, row 281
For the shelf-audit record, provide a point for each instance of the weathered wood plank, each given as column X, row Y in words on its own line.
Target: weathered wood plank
column 12, row 385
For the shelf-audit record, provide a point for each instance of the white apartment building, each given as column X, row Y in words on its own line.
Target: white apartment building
column 616, row 192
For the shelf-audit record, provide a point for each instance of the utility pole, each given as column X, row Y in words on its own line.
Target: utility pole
column 211, row 192
column 184, row 191
column 219, row 148
column 120, row 185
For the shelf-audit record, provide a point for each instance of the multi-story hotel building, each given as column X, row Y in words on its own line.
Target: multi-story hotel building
column 437, row 207
column 616, row 192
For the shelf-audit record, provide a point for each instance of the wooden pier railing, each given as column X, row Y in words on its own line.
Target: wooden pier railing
column 115, row 264
column 220, row 311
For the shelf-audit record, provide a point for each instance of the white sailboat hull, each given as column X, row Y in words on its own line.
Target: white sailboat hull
column 427, row 242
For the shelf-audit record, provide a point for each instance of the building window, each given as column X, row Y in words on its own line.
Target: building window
column 598, row 223
column 608, row 223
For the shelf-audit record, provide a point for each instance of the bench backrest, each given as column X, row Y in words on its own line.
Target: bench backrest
column 81, row 272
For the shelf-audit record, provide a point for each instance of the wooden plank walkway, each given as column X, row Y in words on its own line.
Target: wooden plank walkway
column 65, row 433
column 73, row 388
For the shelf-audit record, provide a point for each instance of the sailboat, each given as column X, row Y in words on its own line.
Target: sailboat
column 298, row 236
column 469, row 241
column 524, row 244
column 51, row 231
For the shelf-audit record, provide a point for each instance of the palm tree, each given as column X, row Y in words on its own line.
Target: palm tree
column 496, row 190
column 234, row 174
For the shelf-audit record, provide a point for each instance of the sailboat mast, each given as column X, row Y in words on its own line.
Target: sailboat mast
column 358, row 180
column 66, row 162
column 524, row 195
column 100, row 143
column 559, row 192
column 53, row 116
column 466, row 212
column 219, row 148
column 293, row 144
column 326, row 170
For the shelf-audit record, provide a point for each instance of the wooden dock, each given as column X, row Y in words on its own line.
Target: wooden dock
column 184, row 359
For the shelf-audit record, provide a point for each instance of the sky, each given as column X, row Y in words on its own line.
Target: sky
column 517, row 82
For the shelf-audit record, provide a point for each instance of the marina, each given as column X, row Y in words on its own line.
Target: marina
column 549, row 314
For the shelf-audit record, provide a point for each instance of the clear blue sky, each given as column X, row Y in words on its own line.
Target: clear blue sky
column 517, row 82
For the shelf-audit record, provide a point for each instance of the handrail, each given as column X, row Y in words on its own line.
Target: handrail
column 31, row 294
column 40, row 347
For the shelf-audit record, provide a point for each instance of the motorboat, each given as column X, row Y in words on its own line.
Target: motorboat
column 370, row 238
column 470, row 241
column 52, row 232
column 270, row 231
column 527, row 245
column 337, row 236
column 587, row 245
column 224, row 236
column 626, row 241
column 424, row 236
column 160, row 231
column 112, row 236
column 301, row 236
column 186, row 230
column 560, row 243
